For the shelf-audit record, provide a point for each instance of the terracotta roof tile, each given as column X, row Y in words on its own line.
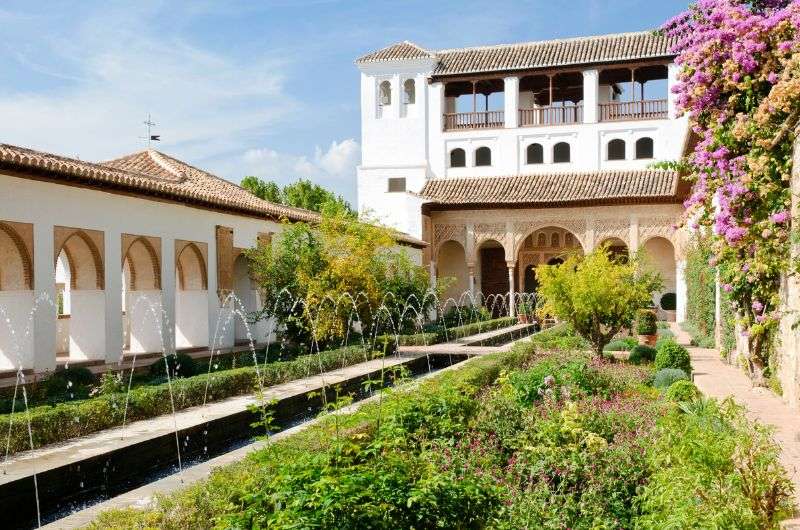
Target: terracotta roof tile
column 153, row 173
column 557, row 188
column 398, row 51
column 611, row 48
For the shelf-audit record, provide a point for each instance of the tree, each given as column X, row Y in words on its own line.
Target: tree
column 597, row 295
column 301, row 194
column 344, row 271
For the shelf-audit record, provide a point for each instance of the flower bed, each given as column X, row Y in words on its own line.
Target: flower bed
column 510, row 440
column 63, row 421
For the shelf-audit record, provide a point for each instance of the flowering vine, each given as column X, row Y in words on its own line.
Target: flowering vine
column 739, row 82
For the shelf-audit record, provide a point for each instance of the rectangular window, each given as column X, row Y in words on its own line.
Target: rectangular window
column 397, row 184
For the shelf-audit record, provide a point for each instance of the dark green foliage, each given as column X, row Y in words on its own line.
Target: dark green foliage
column 670, row 354
column 179, row 365
column 301, row 194
column 623, row 344
column 438, row 334
column 668, row 301
column 682, row 390
column 701, row 280
column 69, row 383
column 646, row 322
column 665, row 377
column 463, row 315
column 641, row 353
column 559, row 338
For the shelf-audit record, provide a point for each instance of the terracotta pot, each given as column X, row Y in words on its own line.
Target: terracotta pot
column 648, row 340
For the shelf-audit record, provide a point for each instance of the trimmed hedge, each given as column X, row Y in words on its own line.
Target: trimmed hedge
column 51, row 424
column 673, row 355
column 435, row 337
column 641, row 353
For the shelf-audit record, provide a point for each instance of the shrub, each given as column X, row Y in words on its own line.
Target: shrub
column 668, row 302
column 665, row 333
column 596, row 294
column 682, row 390
column 71, row 382
column 559, row 338
column 665, row 377
column 646, row 322
column 623, row 344
column 642, row 353
column 180, row 365
column 672, row 355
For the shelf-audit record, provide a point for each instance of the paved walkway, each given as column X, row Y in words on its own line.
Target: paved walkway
column 718, row 379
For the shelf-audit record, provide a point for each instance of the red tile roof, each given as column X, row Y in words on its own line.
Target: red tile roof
column 630, row 186
column 618, row 47
column 155, row 174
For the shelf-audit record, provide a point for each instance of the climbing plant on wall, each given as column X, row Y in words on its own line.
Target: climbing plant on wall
column 740, row 85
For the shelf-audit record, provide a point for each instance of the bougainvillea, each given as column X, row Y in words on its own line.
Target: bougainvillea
column 739, row 82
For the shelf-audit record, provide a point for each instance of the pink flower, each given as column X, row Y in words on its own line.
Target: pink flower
column 780, row 217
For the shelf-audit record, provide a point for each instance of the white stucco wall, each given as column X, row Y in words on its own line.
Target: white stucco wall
column 87, row 331
column 191, row 324
column 414, row 146
column 16, row 332
column 114, row 215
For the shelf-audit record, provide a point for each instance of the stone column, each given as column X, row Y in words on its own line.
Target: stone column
column 113, row 285
column 511, row 100
column 397, row 97
column 471, row 272
column 168, row 274
column 591, row 95
column 633, row 235
column 44, row 286
column 672, row 80
column 512, row 307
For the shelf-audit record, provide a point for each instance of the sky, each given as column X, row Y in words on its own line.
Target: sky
column 264, row 88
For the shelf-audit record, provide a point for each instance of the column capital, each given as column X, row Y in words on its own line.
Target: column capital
column 511, row 264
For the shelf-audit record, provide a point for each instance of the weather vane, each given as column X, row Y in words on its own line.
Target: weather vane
column 150, row 136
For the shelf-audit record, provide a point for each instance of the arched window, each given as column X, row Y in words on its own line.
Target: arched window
column 644, row 148
column 458, row 158
column 385, row 93
column 534, row 154
column 483, row 156
column 561, row 152
column 555, row 241
column 541, row 241
column 409, row 92
column 616, row 150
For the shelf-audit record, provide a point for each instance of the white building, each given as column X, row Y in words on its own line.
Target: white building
column 503, row 156
column 138, row 255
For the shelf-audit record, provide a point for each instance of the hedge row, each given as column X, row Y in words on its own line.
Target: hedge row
column 435, row 337
column 51, row 424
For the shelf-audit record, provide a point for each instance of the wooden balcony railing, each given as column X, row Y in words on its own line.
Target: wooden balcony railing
column 473, row 120
column 550, row 115
column 649, row 109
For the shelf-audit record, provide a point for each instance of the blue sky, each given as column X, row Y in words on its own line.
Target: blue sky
column 259, row 87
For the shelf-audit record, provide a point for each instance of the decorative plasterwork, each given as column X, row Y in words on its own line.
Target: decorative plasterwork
column 487, row 231
column 576, row 226
column 656, row 227
column 607, row 228
column 449, row 232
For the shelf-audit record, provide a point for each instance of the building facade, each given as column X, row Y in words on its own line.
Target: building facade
column 139, row 255
column 505, row 157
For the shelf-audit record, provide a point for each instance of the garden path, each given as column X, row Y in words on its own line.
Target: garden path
column 718, row 379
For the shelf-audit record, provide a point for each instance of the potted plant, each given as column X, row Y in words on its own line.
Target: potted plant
column 524, row 312
column 647, row 327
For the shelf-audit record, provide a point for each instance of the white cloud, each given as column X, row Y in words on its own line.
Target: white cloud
column 108, row 72
column 338, row 162
column 334, row 168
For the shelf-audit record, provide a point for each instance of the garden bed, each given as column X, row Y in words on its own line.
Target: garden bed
column 442, row 334
column 509, row 440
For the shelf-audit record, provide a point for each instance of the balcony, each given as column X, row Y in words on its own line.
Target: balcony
column 648, row 109
column 458, row 121
column 552, row 115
